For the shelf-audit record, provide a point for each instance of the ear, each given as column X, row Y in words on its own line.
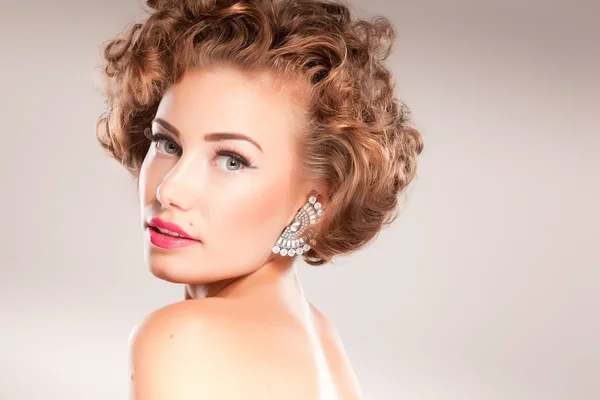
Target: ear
column 322, row 192
column 316, row 188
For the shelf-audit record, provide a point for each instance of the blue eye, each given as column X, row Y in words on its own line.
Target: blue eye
column 233, row 162
column 163, row 143
column 167, row 146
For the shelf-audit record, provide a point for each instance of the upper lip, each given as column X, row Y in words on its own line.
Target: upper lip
column 170, row 226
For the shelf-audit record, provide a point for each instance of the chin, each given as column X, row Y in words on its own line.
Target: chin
column 175, row 270
column 168, row 273
column 169, row 268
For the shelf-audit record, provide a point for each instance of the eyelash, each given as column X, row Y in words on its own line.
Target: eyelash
column 229, row 152
column 221, row 151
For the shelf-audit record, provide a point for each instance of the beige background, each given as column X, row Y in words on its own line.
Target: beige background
column 485, row 288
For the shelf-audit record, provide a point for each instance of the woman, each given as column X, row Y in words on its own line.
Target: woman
column 259, row 132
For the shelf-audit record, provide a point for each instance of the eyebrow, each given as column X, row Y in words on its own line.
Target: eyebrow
column 209, row 137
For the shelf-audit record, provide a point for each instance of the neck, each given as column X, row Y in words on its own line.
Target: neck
column 276, row 282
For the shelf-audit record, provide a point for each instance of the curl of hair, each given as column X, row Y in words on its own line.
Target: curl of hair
column 360, row 140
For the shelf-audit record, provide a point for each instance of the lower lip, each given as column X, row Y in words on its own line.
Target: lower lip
column 169, row 242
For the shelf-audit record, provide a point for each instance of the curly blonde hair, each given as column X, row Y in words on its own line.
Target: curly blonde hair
column 360, row 140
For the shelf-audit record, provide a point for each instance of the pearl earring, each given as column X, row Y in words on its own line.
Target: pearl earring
column 296, row 237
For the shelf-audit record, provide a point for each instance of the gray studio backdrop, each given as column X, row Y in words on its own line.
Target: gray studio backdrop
column 486, row 287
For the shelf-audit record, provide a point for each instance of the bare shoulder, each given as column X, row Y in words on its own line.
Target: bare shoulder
column 183, row 312
column 337, row 358
column 178, row 318
column 326, row 327
column 179, row 351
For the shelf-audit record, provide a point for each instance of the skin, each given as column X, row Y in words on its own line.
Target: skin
column 246, row 329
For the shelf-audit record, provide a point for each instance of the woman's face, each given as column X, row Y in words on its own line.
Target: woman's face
column 196, row 177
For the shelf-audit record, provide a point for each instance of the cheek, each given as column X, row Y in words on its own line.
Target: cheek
column 256, row 218
column 145, row 181
column 151, row 174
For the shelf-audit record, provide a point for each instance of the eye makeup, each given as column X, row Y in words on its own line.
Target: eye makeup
column 224, row 151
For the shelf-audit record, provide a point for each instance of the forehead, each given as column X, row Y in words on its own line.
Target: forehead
column 227, row 100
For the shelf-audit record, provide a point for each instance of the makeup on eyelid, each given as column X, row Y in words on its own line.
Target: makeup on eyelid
column 247, row 162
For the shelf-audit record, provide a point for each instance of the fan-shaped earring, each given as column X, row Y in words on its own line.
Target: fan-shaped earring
column 297, row 237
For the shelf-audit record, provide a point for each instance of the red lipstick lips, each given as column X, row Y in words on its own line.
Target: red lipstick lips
column 166, row 240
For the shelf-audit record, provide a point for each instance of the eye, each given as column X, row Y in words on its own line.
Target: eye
column 230, row 161
column 166, row 145
column 163, row 143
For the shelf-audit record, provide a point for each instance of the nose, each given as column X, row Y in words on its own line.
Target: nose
column 175, row 190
